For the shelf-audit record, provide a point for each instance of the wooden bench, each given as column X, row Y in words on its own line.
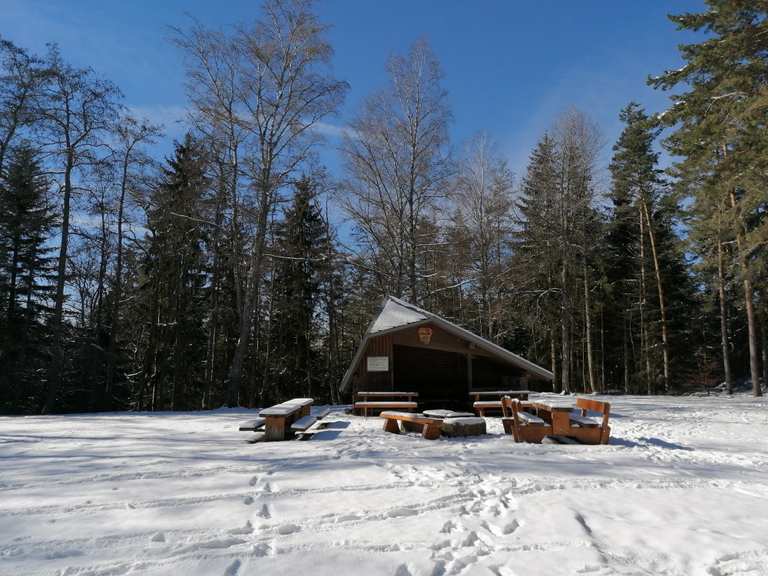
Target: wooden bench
column 430, row 427
column 523, row 426
column 499, row 394
column 588, row 430
column 303, row 425
column 483, row 405
column 252, row 425
column 390, row 402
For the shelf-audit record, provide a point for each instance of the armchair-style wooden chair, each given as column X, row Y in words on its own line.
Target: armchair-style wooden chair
column 523, row 426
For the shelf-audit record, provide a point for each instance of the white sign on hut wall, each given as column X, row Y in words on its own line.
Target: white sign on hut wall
column 378, row 363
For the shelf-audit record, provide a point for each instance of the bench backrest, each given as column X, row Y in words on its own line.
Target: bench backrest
column 587, row 404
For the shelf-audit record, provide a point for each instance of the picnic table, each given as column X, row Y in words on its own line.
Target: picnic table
column 278, row 418
column 559, row 415
column 556, row 412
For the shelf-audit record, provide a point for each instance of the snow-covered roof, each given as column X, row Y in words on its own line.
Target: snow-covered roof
column 397, row 314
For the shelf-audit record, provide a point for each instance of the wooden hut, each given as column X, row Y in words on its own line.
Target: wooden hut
column 409, row 349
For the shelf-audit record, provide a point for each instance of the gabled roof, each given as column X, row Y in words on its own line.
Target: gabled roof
column 397, row 315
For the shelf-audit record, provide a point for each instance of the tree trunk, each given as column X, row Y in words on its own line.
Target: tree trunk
column 643, row 329
column 723, row 319
column 660, row 288
column 754, row 359
column 249, row 300
column 56, row 374
column 565, row 361
column 588, row 330
column 553, row 359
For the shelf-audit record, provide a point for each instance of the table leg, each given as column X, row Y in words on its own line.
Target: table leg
column 274, row 428
column 391, row 426
column 561, row 423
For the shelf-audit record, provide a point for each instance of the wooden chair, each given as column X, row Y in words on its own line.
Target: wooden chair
column 590, row 431
column 523, row 426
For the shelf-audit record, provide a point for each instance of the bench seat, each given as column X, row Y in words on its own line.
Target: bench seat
column 584, row 422
column 304, row 423
column 252, row 425
column 531, row 419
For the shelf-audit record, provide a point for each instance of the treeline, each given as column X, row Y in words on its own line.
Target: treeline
column 237, row 271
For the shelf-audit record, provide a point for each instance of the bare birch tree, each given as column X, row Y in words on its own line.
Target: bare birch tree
column 284, row 90
column 78, row 110
column 397, row 165
column 483, row 195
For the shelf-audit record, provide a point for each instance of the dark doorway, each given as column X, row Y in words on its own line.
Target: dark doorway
column 488, row 374
column 439, row 377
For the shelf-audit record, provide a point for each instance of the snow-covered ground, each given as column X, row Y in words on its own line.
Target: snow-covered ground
column 681, row 489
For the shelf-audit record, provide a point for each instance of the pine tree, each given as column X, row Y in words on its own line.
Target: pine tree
column 720, row 132
column 26, row 270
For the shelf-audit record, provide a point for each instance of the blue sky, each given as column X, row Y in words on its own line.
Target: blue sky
column 511, row 66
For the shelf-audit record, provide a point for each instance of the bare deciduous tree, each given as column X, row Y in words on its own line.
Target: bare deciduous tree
column 396, row 161
column 78, row 111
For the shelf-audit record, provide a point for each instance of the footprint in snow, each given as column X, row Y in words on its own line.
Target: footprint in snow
column 233, row 568
column 158, row 537
column 438, row 569
column 470, row 540
column 247, row 529
column 461, row 563
column 401, row 512
column 254, row 481
column 286, row 529
column 510, row 527
column 264, row 512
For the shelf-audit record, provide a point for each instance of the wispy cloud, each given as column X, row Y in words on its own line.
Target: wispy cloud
column 333, row 130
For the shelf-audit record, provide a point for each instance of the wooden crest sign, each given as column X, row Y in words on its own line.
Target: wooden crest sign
column 425, row 334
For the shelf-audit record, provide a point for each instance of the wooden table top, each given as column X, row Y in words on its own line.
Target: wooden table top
column 553, row 405
column 286, row 408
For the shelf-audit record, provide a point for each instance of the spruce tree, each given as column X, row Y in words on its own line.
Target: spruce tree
column 302, row 243
column 537, row 256
column 176, row 272
column 26, row 272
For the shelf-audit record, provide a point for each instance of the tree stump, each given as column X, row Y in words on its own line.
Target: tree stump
column 473, row 426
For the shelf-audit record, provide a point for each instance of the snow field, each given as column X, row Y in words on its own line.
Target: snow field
column 682, row 489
